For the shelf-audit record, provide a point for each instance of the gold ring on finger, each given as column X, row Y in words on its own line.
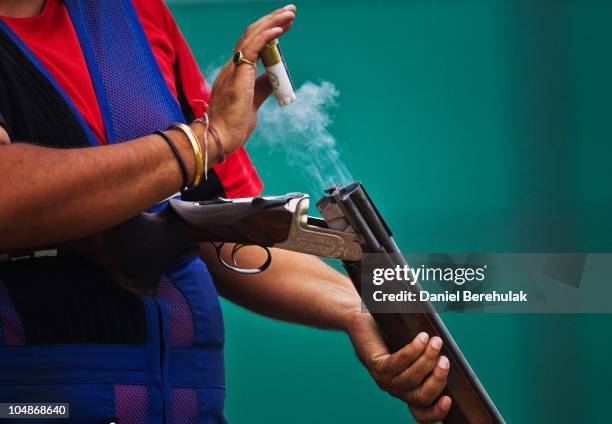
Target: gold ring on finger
column 239, row 59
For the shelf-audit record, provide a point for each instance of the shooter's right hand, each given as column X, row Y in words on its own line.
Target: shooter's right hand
column 237, row 92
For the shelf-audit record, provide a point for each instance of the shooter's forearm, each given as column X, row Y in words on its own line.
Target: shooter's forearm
column 296, row 287
column 51, row 195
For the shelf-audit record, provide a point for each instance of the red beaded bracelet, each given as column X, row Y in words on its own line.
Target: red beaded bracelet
column 215, row 134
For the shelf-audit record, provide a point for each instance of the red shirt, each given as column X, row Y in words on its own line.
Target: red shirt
column 52, row 38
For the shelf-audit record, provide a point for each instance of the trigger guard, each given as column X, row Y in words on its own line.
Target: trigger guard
column 235, row 249
column 235, row 267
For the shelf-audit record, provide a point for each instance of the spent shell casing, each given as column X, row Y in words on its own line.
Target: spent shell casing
column 278, row 74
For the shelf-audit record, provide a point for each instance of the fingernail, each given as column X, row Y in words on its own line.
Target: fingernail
column 423, row 337
column 443, row 362
column 446, row 403
column 289, row 6
column 436, row 343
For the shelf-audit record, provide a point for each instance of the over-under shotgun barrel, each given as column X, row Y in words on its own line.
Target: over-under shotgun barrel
column 350, row 209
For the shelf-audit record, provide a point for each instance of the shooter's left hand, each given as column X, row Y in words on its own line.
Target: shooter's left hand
column 416, row 374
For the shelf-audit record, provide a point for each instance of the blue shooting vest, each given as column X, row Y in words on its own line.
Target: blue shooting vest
column 177, row 374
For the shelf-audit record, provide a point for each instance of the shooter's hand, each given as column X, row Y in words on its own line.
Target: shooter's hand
column 237, row 93
column 416, row 374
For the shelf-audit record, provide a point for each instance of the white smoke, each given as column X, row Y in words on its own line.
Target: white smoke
column 211, row 72
column 301, row 130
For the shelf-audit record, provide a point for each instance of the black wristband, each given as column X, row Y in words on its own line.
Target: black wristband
column 178, row 157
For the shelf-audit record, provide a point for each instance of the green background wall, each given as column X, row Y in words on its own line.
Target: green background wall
column 476, row 125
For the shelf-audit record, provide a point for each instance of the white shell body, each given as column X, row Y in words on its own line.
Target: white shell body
column 281, row 83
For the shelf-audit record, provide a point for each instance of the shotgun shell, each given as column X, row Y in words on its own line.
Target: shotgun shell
column 278, row 74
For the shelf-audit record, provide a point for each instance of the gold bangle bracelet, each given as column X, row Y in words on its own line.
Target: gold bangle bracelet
column 206, row 122
column 197, row 152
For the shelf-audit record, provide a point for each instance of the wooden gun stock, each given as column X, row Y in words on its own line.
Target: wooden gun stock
column 138, row 251
column 350, row 209
column 259, row 220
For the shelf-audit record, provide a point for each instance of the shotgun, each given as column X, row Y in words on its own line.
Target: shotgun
column 143, row 247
